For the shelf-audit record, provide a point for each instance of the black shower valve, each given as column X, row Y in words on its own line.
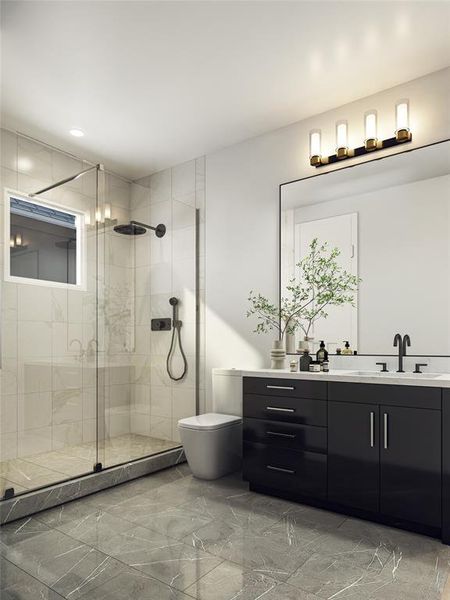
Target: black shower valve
column 161, row 324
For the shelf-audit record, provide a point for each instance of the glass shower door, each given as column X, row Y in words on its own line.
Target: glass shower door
column 48, row 318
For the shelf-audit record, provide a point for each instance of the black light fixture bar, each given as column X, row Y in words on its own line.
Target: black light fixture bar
column 361, row 150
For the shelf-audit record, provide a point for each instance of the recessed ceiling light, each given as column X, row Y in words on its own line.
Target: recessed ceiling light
column 76, row 132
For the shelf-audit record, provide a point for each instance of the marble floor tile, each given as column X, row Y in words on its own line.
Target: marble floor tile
column 66, row 565
column 135, row 585
column 83, row 522
column 171, row 536
column 45, row 468
column 15, row 584
column 166, row 559
column 223, row 508
column 28, row 475
column 62, row 463
column 269, row 554
column 229, row 581
column 176, row 522
column 339, row 578
column 18, row 531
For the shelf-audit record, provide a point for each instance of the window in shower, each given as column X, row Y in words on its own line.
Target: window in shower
column 44, row 243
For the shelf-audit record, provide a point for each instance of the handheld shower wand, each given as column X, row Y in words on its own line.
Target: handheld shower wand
column 176, row 332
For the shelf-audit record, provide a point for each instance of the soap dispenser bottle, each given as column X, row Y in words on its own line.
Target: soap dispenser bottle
column 305, row 361
column 347, row 350
column 322, row 353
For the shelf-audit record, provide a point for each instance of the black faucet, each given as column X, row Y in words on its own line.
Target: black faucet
column 402, row 343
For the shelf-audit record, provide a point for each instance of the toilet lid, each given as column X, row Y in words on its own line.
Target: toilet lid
column 209, row 421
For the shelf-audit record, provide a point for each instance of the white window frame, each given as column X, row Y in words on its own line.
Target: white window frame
column 80, row 228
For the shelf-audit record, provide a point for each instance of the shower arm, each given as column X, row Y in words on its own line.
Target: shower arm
column 139, row 224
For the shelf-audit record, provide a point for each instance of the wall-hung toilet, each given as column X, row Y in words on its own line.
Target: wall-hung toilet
column 212, row 442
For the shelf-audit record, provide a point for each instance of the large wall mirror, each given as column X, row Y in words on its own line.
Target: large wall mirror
column 389, row 218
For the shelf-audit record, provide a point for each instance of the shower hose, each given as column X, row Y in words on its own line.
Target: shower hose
column 176, row 334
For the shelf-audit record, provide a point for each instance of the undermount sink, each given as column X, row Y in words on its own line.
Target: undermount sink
column 393, row 374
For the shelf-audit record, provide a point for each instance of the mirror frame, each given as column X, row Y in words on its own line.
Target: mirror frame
column 328, row 172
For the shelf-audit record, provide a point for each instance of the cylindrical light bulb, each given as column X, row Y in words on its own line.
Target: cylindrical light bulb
column 12, row 243
column 315, row 151
column 341, row 139
column 107, row 211
column 98, row 215
column 402, row 115
column 18, row 239
column 402, row 132
column 370, row 126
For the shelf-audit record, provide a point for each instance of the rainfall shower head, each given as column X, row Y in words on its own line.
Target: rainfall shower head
column 136, row 228
column 130, row 229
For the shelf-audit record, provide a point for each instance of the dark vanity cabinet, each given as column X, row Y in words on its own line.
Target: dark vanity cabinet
column 353, row 474
column 285, row 435
column 373, row 450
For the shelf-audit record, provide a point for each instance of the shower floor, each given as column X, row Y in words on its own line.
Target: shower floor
column 31, row 472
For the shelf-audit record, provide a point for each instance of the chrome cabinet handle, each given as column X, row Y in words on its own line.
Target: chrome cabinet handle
column 280, row 387
column 283, row 435
column 271, row 468
column 385, row 418
column 276, row 408
column 372, row 429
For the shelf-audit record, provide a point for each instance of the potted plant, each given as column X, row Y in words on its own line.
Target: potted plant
column 321, row 283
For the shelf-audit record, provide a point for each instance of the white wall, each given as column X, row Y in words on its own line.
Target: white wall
column 242, row 207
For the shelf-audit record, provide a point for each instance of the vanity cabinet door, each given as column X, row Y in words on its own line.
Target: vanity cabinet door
column 353, row 455
column 411, row 464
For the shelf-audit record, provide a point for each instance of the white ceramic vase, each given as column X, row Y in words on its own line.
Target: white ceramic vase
column 277, row 355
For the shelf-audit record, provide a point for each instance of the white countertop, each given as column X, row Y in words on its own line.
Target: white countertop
column 441, row 380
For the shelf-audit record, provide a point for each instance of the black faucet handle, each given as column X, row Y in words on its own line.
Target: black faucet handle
column 418, row 365
column 384, row 365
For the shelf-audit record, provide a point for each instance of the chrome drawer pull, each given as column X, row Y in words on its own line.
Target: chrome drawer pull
column 284, row 435
column 290, row 471
column 385, row 417
column 372, row 429
column 280, row 387
column 290, row 410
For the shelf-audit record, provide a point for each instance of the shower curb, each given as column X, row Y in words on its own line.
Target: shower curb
column 35, row 501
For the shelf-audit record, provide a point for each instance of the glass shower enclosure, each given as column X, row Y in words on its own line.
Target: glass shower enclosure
column 84, row 385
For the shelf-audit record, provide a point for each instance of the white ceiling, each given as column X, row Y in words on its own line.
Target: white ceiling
column 155, row 83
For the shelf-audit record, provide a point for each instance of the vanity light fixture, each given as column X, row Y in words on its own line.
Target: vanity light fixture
column 370, row 128
column 315, row 149
column 371, row 141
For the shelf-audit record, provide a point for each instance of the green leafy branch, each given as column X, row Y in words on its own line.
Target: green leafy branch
column 321, row 283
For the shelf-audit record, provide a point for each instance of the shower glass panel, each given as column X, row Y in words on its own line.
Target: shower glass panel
column 139, row 273
column 48, row 317
column 84, row 383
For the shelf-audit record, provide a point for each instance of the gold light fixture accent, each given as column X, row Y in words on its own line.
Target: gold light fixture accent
column 371, row 141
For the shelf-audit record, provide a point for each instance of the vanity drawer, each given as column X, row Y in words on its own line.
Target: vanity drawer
column 394, row 395
column 286, row 435
column 294, row 410
column 304, row 473
column 295, row 388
